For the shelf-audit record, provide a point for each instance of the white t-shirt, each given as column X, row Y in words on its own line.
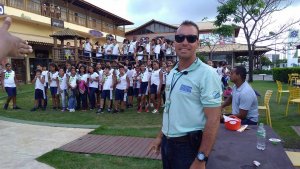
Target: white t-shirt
column 94, row 83
column 83, row 77
column 9, row 78
column 87, row 47
column 125, row 49
column 157, row 49
column 108, row 49
column 73, row 81
column 46, row 77
column 137, row 80
column 115, row 50
column 123, row 82
column 130, row 77
column 145, row 76
column 155, row 77
column 62, row 81
column 39, row 84
column 148, row 48
column 108, row 80
column 53, row 78
column 132, row 47
column 140, row 55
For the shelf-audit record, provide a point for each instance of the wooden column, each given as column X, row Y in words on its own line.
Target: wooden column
column 76, row 49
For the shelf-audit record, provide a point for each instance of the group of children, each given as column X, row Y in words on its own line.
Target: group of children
column 99, row 87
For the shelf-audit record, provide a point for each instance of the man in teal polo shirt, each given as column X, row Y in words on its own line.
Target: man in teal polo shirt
column 192, row 108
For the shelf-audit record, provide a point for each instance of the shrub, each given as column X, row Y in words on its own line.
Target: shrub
column 268, row 72
column 281, row 74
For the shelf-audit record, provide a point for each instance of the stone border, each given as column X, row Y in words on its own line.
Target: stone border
column 49, row 124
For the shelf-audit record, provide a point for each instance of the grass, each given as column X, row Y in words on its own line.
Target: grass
column 65, row 160
column 130, row 123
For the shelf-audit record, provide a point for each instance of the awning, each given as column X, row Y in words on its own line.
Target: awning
column 34, row 38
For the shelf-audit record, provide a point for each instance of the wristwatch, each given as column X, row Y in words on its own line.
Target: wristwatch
column 201, row 157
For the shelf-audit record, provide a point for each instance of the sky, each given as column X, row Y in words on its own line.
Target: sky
column 171, row 11
column 174, row 12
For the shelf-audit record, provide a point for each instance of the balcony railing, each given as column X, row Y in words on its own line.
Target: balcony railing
column 36, row 7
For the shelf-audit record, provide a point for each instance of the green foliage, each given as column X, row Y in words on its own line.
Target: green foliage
column 281, row 74
column 265, row 61
column 225, row 30
column 268, row 72
column 201, row 57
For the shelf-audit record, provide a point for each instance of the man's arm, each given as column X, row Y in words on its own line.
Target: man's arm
column 242, row 114
column 209, row 134
column 227, row 102
column 155, row 144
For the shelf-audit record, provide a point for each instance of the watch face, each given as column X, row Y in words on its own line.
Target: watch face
column 201, row 156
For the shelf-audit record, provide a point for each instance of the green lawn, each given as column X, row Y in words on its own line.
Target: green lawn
column 130, row 123
column 65, row 160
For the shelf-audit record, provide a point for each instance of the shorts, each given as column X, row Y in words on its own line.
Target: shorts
column 38, row 94
column 119, row 95
column 11, row 91
column 106, row 94
column 130, row 91
column 153, row 89
column 87, row 54
column 144, row 86
column 53, row 91
column 136, row 92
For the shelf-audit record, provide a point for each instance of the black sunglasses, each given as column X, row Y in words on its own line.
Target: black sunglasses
column 189, row 38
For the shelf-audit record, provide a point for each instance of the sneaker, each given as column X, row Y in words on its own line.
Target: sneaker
column 5, row 106
column 16, row 108
column 151, row 105
column 63, row 110
column 163, row 105
column 155, row 111
column 140, row 110
column 108, row 110
column 147, row 110
column 115, row 111
column 99, row 111
column 33, row 109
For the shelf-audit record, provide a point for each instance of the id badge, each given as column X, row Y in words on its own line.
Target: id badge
column 167, row 105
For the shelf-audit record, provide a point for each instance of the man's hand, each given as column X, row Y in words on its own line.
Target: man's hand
column 154, row 147
column 11, row 45
column 197, row 165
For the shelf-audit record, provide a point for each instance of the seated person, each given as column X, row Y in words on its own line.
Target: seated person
column 243, row 98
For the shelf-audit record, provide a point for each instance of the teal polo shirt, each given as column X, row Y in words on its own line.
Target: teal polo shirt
column 197, row 87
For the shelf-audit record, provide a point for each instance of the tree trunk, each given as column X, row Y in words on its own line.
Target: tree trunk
column 251, row 57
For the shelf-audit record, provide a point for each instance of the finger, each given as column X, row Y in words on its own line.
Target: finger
column 6, row 24
column 24, row 44
column 23, row 51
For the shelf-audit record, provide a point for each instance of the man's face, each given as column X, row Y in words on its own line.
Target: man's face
column 233, row 76
column 39, row 67
column 184, row 49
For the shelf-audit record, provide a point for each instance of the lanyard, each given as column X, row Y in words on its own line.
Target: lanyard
column 173, row 85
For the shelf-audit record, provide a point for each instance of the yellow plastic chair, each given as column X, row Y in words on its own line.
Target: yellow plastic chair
column 293, row 98
column 290, row 79
column 294, row 77
column 280, row 91
column 266, row 106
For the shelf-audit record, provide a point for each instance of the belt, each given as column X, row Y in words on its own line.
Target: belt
column 179, row 139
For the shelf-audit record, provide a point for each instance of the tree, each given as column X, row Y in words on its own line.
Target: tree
column 265, row 61
column 254, row 16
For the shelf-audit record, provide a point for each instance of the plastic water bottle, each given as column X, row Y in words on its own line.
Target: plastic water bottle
column 261, row 137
